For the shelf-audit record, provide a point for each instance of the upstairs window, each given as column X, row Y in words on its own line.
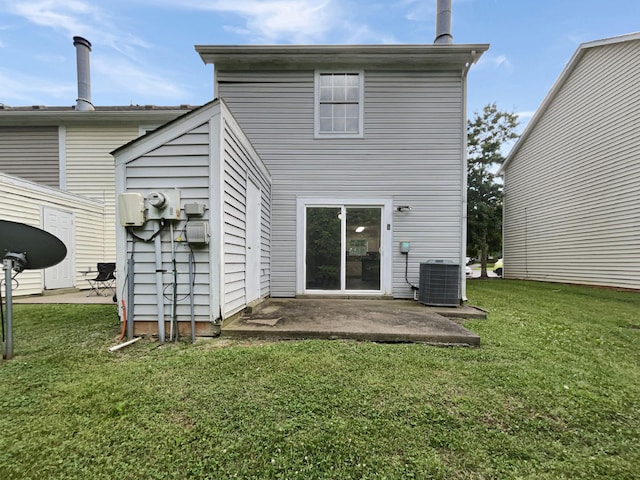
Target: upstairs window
column 339, row 104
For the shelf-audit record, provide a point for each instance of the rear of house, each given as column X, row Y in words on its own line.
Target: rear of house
column 572, row 182
column 366, row 146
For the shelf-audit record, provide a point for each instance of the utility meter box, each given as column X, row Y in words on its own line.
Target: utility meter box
column 163, row 204
column 197, row 232
column 131, row 209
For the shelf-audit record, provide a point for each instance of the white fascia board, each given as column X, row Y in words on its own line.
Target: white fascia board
column 152, row 140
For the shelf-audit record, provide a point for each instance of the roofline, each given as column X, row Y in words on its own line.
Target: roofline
column 558, row 84
column 159, row 131
column 51, row 116
column 298, row 56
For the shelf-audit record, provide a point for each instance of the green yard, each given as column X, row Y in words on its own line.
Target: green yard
column 553, row 392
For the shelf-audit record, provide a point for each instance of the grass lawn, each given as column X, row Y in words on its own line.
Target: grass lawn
column 553, row 392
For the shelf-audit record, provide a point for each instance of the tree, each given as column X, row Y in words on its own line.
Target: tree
column 486, row 135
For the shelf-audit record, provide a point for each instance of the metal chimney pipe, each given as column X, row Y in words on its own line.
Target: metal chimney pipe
column 83, row 47
column 443, row 23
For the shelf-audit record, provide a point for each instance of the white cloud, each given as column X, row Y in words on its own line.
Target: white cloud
column 498, row 61
column 78, row 17
column 271, row 21
column 119, row 74
column 20, row 89
column 525, row 114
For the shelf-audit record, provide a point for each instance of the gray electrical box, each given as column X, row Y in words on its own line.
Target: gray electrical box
column 197, row 232
column 163, row 204
column 404, row 247
column 194, row 209
column 131, row 209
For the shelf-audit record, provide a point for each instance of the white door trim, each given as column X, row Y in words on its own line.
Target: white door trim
column 386, row 239
column 61, row 275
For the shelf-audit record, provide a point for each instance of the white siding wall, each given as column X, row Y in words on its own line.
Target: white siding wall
column 22, row 201
column 183, row 164
column 411, row 152
column 572, row 192
column 90, row 170
column 241, row 164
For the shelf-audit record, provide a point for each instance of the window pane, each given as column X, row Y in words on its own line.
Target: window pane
column 339, row 124
column 326, row 125
column 323, row 255
column 326, row 94
column 362, row 250
column 353, row 94
column 339, row 96
column 326, row 110
column 325, row 80
column 339, row 80
column 353, row 80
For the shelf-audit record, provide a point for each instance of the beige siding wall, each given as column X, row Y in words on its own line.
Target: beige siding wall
column 31, row 153
column 572, row 192
column 90, row 170
column 22, row 201
column 411, row 153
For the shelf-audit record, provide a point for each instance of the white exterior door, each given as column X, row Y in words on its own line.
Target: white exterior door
column 253, row 225
column 60, row 224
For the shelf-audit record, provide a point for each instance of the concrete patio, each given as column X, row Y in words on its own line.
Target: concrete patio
column 372, row 320
column 328, row 318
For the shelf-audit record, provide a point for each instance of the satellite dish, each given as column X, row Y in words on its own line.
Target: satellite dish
column 24, row 248
column 40, row 249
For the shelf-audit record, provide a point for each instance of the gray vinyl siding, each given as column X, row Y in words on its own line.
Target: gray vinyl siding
column 241, row 165
column 572, row 191
column 411, row 152
column 31, row 153
column 182, row 163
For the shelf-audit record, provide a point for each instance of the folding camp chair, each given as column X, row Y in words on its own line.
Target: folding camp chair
column 105, row 281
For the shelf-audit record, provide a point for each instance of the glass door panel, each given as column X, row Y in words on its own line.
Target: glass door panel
column 324, row 249
column 362, row 248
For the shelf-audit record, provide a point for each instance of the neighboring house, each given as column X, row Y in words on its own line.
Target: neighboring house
column 365, row 147
column 69, row 150
column 76, row 220
column 572, row 181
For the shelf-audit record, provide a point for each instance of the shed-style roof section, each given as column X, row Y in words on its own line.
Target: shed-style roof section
column 56, row 115
column 176, row 127
column 379, row 57
column 557, row 86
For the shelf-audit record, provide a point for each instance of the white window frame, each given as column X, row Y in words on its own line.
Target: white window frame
column 386, row 239
column 317, row 132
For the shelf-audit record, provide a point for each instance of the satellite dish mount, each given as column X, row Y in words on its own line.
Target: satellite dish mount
column 23, row 248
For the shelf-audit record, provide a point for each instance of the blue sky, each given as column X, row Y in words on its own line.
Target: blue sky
column 143, row 50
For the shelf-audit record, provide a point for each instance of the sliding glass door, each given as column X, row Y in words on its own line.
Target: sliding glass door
column 343, row 248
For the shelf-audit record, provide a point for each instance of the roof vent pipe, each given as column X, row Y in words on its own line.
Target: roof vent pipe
column 443, row 23
column 83, row 47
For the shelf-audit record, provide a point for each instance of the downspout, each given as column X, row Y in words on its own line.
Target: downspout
column 463, row 246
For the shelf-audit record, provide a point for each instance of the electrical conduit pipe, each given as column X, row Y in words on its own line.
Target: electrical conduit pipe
column 159, row 294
